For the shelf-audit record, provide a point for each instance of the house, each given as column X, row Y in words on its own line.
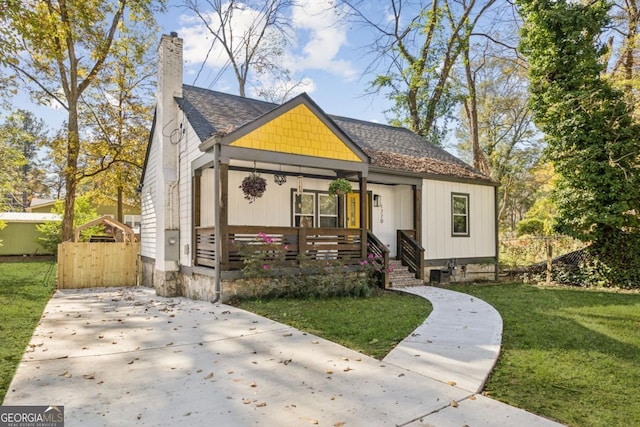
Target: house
column 131, row 213
column 20, row 235
column 411, row 200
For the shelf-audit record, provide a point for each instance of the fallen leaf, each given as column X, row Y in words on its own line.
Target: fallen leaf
column 452, row 383
column 246, row 401
column 65, row 374
column 171, row 343
column 329, row 372
column 287, row 335
column 130, row 362
column 209, row 376
column 261, row 404
column 90, row 376
column 315, row 342
column 472, row 397
column 253, row 385
column 347, row 369
column 454, row 404
column 100, row 336
column 339, row 424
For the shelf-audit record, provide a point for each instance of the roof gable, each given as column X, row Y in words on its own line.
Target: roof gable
column 390, row 148
column 297, row 127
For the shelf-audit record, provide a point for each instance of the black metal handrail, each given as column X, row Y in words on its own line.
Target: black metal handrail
column 410, row 252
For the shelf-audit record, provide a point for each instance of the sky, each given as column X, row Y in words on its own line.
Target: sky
column 325, row 55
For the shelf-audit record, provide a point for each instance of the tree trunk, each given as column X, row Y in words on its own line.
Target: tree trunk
column 119, row 214
column 70, row 172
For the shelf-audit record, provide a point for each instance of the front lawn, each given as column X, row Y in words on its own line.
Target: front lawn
column 372, row 325
column 25, row 289
column 571, row 354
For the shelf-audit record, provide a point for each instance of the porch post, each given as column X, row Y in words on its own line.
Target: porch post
column 363, row 215
column 223, row 233
column 197, row 203
column 417, row 225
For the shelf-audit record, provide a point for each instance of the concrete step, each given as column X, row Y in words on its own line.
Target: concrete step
column 404, row 283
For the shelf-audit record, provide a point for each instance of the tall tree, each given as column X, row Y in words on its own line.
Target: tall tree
column 253, row 34
column 66, row 44
column 501, row 129
column 591, row 136
column 117, row 113
column 415, row 49
column 26, row 133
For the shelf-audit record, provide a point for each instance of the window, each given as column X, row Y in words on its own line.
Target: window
column 304, row 210
column 328, row 212
column 315, row 209
column 460, row 214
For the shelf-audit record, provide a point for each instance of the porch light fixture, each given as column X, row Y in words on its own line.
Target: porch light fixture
column 279, row 178
column 377, row 200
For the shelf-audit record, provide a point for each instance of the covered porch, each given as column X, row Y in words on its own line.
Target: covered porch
column 296, row 221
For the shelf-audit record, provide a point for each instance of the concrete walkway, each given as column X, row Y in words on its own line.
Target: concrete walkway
column 125, row 357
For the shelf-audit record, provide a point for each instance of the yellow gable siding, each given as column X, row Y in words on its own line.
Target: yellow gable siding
column 298, row 131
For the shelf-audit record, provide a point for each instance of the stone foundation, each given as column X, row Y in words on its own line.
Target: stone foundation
column 470, row 273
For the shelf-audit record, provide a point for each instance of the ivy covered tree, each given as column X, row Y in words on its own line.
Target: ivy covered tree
column 589, row 128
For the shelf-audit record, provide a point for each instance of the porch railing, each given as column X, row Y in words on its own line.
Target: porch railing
column 378, row 250
column 291, row 244
column 410, row 252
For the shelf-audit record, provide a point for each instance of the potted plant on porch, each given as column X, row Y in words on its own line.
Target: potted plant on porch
column 339, row 186
column 253, row 186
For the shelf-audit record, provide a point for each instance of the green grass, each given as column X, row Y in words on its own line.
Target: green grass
column 23, row 295
column 372, row 325
column 567, row 353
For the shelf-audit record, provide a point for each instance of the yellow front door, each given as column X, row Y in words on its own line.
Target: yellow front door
column 353, row 210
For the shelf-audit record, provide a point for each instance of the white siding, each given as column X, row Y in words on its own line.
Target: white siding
column 150, row 203
column 188, row 152
column 395, row 212
column 437, row 236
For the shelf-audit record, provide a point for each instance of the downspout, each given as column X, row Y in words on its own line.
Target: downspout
column 216, row 223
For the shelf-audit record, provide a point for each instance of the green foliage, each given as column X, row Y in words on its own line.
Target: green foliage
column 372, row 325
column 569, row 354
column 266, row 273
column 529, row 250
column 25, row 289
column 339, row 186
column 2, row 225
column 52, row 230
column 591, row 136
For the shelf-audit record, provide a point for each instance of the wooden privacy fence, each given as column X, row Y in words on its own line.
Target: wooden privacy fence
column 94, row 265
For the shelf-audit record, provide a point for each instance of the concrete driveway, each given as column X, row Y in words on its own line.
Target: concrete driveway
column 126, row 357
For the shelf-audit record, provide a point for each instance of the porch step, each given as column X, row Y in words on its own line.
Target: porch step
column 401, row 277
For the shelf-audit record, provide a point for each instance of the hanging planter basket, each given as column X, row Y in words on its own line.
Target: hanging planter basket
column 253, row 186
column 339, row 186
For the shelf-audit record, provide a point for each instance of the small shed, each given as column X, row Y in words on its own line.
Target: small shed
column 20, row 236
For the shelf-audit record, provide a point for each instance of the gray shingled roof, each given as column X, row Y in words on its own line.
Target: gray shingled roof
column 211, row 112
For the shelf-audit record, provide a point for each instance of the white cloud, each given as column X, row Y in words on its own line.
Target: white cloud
column 316, row 42
column 319, row 20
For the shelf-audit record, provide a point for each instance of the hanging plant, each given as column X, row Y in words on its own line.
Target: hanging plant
column 253, row 186
column 339, row 186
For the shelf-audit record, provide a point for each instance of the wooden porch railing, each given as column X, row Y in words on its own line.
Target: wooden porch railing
column 291, row 244
column 410, row 252
column 377, row 250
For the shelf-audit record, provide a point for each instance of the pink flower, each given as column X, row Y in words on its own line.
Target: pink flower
column 265, row 267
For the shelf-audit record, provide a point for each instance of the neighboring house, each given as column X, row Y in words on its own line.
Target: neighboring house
column 20, row 236
column 424, row 205
column 130, row 212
